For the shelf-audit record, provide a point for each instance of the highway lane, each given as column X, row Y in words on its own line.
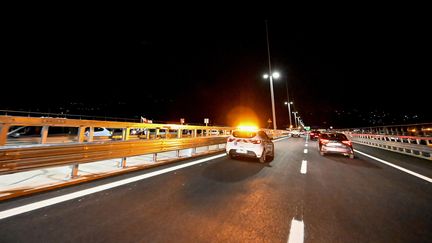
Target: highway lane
column 362, row 200
column 222, row 200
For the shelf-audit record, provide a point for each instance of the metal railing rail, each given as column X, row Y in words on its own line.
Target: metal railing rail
column 6, row 122
column 29, row 157
column 410, row 145
column 24, row 158
column 418, row 129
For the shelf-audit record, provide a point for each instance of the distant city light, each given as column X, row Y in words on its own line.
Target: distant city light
column 276, row 75
column 265, row 76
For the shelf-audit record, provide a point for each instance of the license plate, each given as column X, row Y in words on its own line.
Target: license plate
column 334, row 144
column 241, row 151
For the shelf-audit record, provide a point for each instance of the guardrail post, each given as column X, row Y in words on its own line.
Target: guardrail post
column 157, row 133
column 125, row 137
column 194, row 133
column 74, row 172
column 125, row 134
column 3, row 133
column 91, row 134
column 80, row 136
column 74, row 168
column 179, row 133
column 44, row 134
column 154, row 157
column 167, row 134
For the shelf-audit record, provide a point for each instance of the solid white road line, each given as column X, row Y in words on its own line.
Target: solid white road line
column 59, row 199
column 305, row 151
column 303, row 169
column 296, row 234
column 396, row 166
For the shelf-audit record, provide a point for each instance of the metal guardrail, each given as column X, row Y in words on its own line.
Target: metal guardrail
column 410, row 145
column 6, row 122
column 417, row 130
column 26, row 158
column 84, row 150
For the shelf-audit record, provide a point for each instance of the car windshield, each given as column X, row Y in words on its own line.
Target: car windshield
column 244, row 134
column 334, row 136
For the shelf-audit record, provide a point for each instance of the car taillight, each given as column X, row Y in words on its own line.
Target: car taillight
column 324, row 141
column 231, row 139
column 347, row 143
column 256, row 141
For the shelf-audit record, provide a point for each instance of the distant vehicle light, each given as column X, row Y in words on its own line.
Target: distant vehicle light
column 347, row 143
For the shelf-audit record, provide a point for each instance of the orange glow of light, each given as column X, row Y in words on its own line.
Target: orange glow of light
column 247, row 128
column 242, row 116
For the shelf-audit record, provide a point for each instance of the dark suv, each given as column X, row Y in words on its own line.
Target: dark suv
column 314, row 134
column 335, row 143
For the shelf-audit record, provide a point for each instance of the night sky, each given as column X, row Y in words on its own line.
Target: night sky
column 341, row 73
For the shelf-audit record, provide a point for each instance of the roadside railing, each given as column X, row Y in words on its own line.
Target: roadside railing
column 410, row 145
column 43, row 125
column 84, row 149
column 24, row 158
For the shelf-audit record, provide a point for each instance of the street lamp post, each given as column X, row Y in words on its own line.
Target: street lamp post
column 295, row 118
column 289, row 112
column 276, row 76
column 271, row 75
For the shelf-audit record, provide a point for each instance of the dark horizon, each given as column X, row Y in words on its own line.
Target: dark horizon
column 349, row 74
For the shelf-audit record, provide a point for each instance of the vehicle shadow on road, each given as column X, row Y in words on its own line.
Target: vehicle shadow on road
column 352, row 162
column 233, row 170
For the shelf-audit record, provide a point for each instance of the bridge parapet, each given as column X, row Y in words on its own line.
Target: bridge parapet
column 410, row 145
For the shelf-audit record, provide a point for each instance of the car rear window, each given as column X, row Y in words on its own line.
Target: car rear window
column 334, row 136
column 244, row 134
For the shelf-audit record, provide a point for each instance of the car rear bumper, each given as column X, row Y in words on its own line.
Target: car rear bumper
column 250, row 154
column 339, row 149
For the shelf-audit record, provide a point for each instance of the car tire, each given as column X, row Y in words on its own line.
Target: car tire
column 231, row 156
column 270, row 158
column 263, row 157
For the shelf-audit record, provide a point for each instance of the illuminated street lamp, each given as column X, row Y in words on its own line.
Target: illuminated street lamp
column 289, row 112
column 275, row 75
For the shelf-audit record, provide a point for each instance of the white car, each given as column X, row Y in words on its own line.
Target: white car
column 295, row 133
column 255, row 144
column 99, row 132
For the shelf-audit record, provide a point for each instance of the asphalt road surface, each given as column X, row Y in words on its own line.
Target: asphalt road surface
column 299, row 196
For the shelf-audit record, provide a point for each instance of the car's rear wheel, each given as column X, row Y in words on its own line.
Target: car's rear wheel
column 263, row 157
column 270, row 158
